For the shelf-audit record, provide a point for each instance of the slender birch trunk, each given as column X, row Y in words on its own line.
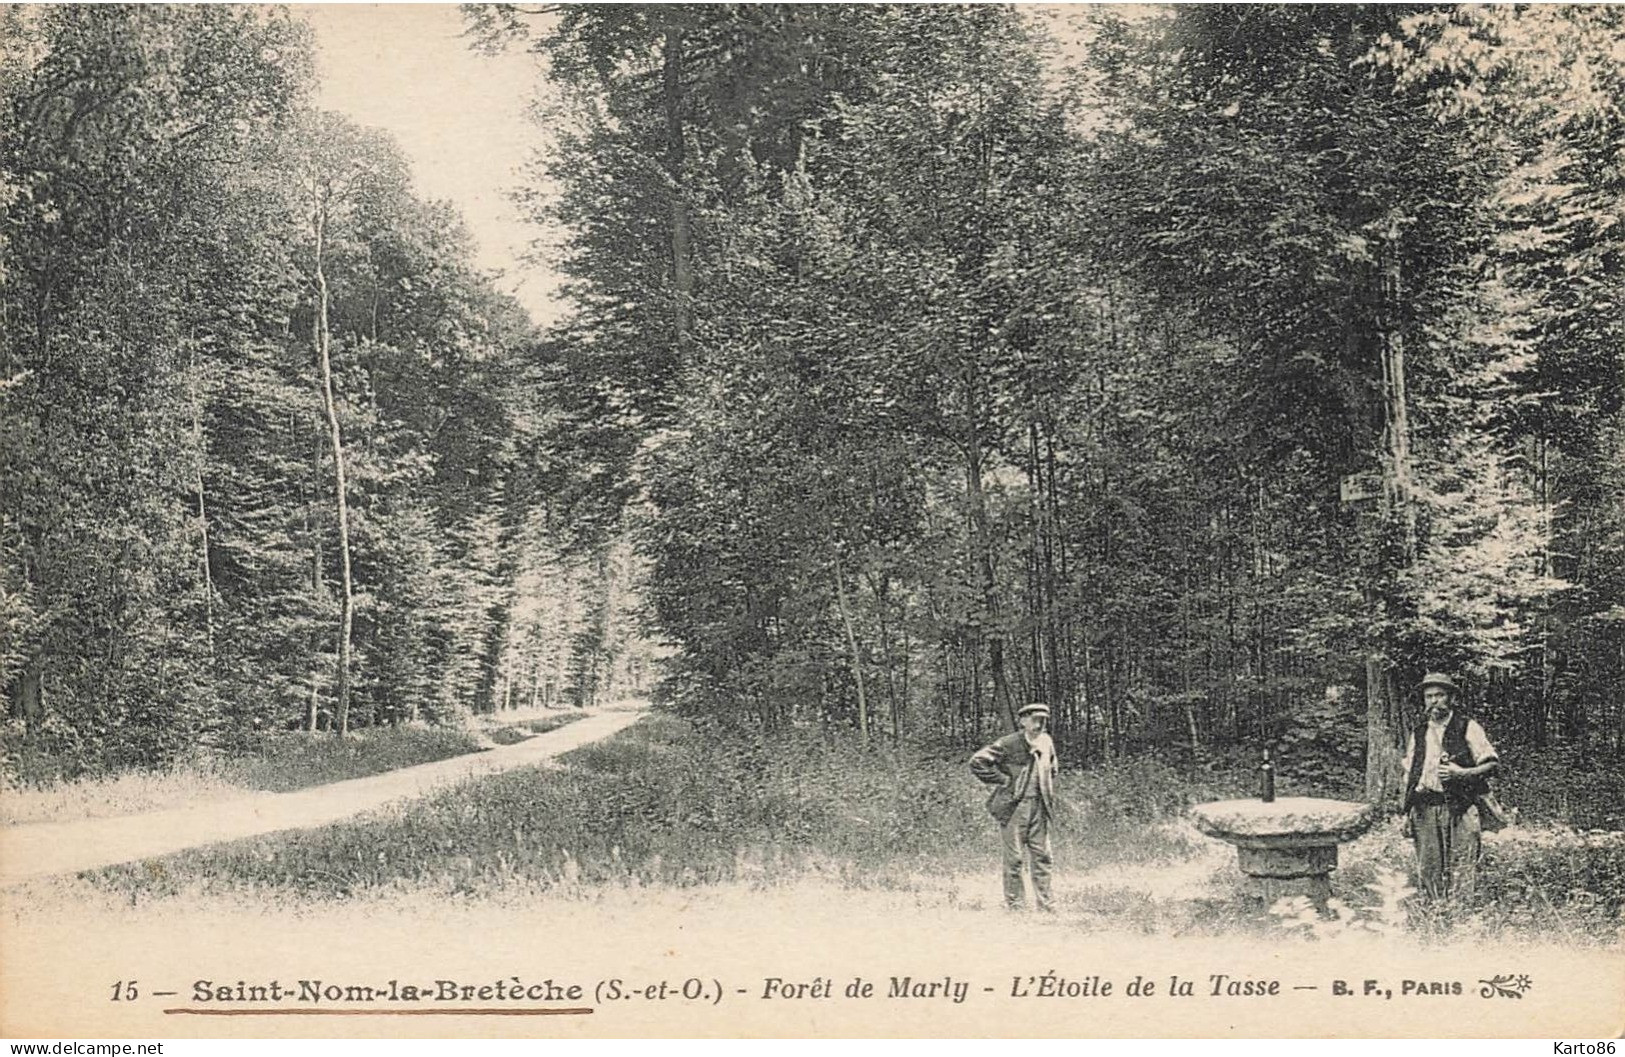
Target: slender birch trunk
column 323, row 341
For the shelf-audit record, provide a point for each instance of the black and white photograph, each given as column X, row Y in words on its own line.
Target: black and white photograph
column 584, row 521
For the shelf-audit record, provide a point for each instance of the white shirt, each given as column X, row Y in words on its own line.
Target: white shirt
column 1042, row 748
column 1433, row 748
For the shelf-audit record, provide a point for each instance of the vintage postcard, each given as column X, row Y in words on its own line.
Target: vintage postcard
column 600, row 521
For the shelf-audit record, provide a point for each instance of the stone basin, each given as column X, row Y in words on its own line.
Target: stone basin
column 1288, row 845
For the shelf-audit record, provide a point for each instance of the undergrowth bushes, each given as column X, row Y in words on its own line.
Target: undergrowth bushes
column 284, row 761
column 1564, row 784
column 1532, row 879
column 513, row 734
column 1529, row 869
column 1147, row 787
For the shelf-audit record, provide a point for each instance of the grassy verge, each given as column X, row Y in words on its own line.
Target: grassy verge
column 664, row 803
column 275, row 763
column 122, row 794
column 668, row 804
column 514, row 733
column 298, row 761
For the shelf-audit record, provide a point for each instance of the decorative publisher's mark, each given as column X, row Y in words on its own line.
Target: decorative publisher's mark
column 1505, row 985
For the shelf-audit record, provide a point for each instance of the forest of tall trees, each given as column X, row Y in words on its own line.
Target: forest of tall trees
column 273, row 452
column 1209, row 373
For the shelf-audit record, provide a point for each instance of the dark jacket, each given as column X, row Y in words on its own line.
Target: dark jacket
column 1461, row 792
column 1007, row 765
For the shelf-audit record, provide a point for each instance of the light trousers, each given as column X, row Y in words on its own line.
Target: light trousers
column 1026, row 836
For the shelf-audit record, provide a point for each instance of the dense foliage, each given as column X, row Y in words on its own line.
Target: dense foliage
column 1210, row 374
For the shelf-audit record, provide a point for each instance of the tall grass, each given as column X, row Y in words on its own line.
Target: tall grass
column 286, row 762
column 278, row 763
column 513, row 734
column 672, row 803
column 123, row 794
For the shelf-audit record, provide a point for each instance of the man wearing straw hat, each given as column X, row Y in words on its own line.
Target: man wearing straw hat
column 1021, row 767
column 1448, row 761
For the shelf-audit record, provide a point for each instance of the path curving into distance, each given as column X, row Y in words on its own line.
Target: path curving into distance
column 39, row 849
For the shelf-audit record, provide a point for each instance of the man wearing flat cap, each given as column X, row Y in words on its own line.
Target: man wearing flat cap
column 1448, row 761
column 1021, row 767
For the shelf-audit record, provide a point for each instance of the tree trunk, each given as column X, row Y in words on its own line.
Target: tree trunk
column 1088, row 693
column 1548, row 658
column 1397, row 429
column 317, row 587
column 200, row 455
column 852, row 649
column 880, row 587
column 494, row 644
column 681, row 263
column 993, row 629
column 1382, row 754
column 976, row 692
column 902, row 703
column 31, row 697
column 330, row 405
column 1382, row 739
column 1187, row 589
column 1039, row 589
column 1055, row 693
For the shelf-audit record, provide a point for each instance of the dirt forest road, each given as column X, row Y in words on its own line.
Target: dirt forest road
column 40, row 849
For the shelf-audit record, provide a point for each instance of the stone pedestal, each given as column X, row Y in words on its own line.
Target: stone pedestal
column 1287, row 846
